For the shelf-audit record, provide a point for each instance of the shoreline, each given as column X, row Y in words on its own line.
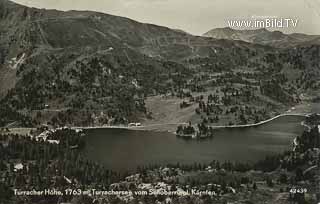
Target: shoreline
column 150, row 127
column 166, row 127
column 261, row 122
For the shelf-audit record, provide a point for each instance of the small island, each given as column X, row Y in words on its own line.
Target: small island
column 200, row 131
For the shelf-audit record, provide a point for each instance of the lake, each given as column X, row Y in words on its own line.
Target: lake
column 122, row 150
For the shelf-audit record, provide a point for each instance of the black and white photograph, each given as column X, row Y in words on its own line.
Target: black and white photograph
column 159, row 102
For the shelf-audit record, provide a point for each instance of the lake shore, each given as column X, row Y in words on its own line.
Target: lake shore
column 171, row 127
column 302, row 110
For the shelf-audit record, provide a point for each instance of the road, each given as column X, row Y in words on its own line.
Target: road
column 259, row 123
column 154, row 126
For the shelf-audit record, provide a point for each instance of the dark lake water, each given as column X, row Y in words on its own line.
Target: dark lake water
column 123, row 150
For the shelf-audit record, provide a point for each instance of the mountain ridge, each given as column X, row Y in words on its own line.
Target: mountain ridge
column 261, row 36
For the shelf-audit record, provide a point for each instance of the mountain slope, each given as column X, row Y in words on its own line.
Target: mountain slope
column 261, row 36
column 88, row 68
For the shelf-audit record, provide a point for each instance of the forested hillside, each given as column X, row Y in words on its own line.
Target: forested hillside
column 86, row 68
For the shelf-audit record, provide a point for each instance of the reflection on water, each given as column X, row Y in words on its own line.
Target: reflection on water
column 126, row 149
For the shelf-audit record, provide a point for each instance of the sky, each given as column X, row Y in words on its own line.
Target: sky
column 197, row 16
